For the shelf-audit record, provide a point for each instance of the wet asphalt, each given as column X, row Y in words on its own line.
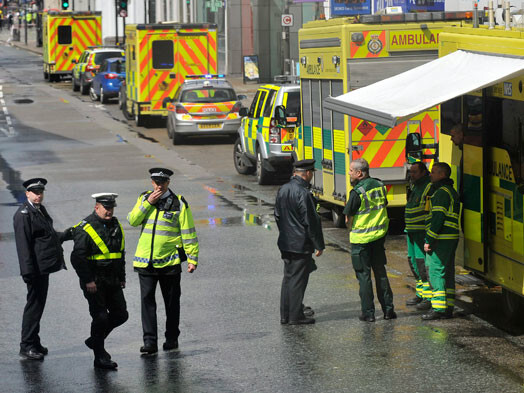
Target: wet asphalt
column 231, row 339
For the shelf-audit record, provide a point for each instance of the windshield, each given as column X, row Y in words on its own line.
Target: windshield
column 101, row 56
column 207, row 95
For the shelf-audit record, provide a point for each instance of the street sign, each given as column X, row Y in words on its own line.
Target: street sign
column 123, row 13
column 287, row 20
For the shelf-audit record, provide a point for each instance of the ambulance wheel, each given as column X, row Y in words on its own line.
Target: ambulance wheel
column 46, row 75
column 74, row 85
column 238, row 153
column 103, row 97
column 92, row 94
column 513, row 306
column 126, row 113
column 120, row 101
column 84, row 89
column 53, row 78
column 339, row 219
column 263, row 175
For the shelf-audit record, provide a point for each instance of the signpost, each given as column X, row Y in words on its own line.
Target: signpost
column 287, row 20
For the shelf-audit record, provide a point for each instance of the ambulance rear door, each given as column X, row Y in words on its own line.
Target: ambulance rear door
column 162, row 77
column 62, row 43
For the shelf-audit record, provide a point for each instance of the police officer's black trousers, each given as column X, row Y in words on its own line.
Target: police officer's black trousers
column 34, row 308
column 108, row 309
column 170, row 287
column 366, row 257
column 296, row 276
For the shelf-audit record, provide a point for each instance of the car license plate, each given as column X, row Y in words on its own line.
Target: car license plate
column 208, row 125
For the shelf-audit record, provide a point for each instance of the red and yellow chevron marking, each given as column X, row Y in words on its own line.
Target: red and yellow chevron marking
column 84, row 31
column 387, row 149
column 374, row 45
column 209, row 108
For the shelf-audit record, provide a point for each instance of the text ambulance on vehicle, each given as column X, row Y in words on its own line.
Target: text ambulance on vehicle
column 344, row 54
column 158, row 58
column 66, row 35
column 479, row 81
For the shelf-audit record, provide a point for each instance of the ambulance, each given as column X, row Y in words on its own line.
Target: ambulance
column 478, row 81
column 158, row 58
column 66, row 35
column 344, row 54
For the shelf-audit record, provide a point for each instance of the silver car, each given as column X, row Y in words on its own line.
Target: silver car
column 206, row 106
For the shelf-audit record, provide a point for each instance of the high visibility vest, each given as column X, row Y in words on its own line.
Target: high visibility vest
column 371, row 221
column 105, row 257
column 164, row 232
column 416, row 211
column 444, row 200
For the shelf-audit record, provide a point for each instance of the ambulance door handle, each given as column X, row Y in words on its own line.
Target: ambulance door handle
column 172, row 76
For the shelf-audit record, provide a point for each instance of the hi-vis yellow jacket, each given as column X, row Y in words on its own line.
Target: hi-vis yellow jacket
column 167, row 227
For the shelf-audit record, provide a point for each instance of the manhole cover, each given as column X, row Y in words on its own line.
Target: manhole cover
column 23, row 101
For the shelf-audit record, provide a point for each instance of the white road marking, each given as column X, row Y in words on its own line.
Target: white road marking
column 10, row 130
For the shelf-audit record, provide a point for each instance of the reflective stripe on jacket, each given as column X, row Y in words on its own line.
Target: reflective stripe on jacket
column 164, row 232
column 416, row 212
column 371, row 221
column 443, row 219
column 105, row 257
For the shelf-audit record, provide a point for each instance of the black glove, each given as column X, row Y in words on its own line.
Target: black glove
column 66, row 235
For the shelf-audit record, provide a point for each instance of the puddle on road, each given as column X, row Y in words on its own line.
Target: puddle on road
column 23, row 101
column 247, row 219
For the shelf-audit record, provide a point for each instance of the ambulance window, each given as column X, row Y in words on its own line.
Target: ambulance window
column 451, row 113
column 512, row 138
column 326, row 114
column 293, row 104
column 253, row 105
column 163, row 54
column 258, row 111
column 306, row 102
column 269, row 104
column 64, row 35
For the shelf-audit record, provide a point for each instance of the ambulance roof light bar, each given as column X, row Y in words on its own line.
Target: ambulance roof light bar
column 417, row 17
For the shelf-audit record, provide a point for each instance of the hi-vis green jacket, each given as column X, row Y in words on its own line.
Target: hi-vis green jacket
column 167, row 227
column 443, row 219
column 416, row 211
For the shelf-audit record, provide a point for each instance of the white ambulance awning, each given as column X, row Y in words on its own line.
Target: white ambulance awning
column 397, row 99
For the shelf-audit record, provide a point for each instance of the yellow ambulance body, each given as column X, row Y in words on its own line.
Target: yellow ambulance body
column 65, row 36
column 158, row 58
column 343, row 54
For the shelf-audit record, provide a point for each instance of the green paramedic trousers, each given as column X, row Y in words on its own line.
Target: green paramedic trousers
column 417, row 263
column 441, row 265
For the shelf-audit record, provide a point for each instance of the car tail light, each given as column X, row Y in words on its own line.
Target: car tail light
column 111, row 76
column 274, row 132
column 236, row 108
column 180, row 109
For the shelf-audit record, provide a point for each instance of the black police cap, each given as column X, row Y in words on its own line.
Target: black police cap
column 160, row 174
column 305, row 165
column 37, row 183
column 107, row 199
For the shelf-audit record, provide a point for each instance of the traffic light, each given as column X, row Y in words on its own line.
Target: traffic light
column 122, row 4
column 65, row 4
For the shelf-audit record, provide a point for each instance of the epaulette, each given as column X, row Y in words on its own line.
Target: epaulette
column 24, row 211
column 146, row 192
column 80, row 224
column 184, row 200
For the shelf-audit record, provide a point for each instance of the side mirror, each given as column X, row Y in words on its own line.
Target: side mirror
column 280, row 115
column 413, row 147
column 241, row 97
column 165, row 101
column 243, row 112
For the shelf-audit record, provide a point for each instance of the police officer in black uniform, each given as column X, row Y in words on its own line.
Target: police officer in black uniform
column 300, row 235
column 99, row 260
column 39, row 254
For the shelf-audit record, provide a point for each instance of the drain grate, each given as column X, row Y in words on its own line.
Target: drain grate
column 23, row 101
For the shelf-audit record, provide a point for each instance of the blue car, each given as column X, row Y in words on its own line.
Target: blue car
column 106, row 83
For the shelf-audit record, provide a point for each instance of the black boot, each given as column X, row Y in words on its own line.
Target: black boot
column 89, row 343
column 424, row 305
column 413, row 301
column 105, row 363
